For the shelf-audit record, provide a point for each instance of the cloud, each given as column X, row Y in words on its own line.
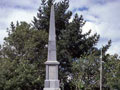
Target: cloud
column 32, row 4
column 90, row 26
column 105, row 16
column 115, row 48
column 13, row 10
column 102, row 16
column 2, row 35
column 21, row 15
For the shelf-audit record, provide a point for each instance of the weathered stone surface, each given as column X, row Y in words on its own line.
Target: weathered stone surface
column 52, row 37
column 52, row 82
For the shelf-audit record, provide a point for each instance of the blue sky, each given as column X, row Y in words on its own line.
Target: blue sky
column 102, row 16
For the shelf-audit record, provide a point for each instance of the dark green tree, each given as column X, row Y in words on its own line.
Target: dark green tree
column 28, row 42
column 71, row 42
column 22, row 58
column 86, row 73
column 111, row 72
column 21, row 75
column 24, row 42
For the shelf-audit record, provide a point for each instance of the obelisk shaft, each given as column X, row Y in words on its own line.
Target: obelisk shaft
column 52, row 37
column 52, row 82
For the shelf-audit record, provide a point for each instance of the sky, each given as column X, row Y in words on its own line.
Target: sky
column 102, row 17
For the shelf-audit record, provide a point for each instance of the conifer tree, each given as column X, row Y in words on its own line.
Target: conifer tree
column 26, row 42
column 71, row 42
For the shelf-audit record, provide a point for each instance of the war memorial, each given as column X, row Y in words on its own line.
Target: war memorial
column 52, row 82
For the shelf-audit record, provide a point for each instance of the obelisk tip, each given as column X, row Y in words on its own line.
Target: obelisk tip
column 52, row 34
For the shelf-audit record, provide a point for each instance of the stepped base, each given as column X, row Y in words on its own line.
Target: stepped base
column 51, row 83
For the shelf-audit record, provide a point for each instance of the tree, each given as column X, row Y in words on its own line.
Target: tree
column 86, row 72
column 24, row 49
column 19, row 75
column 28, row 42
column 24, row 42
column 71, row 42
column 112, row 72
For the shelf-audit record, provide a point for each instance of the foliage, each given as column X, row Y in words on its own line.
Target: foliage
column 24, row 42
column 24, row 52
column 71, row 42
column 87, row 74
column 22, row 48
column 112, row 72
column 19, row 75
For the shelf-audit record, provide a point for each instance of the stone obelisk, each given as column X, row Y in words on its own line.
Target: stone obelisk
column 52, row 82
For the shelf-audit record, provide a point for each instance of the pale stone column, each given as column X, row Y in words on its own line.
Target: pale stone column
column 52, row 82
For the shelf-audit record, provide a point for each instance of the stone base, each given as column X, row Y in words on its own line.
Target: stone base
column 51, row 83
column 51, row 89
